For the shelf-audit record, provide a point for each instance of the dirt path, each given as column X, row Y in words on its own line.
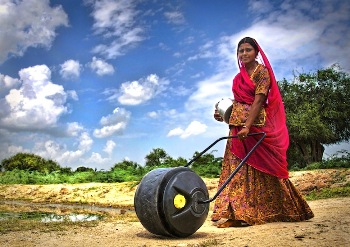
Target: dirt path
column 330, row 227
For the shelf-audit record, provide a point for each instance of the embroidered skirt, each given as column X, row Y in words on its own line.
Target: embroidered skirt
column 256, row 197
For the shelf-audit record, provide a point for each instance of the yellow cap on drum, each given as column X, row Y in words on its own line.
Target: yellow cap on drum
column 179, row 201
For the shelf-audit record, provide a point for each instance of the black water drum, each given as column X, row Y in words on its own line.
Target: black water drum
column 167, row 202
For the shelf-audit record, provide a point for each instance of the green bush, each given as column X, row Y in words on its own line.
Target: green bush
column 340, row 159
column 329, row 193
column 30, row 162
column 206, row 166
column 33, row 177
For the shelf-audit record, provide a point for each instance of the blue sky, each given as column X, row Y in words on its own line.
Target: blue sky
column 90, row 83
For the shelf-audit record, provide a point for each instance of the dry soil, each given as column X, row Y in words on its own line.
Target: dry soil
column 329, row 227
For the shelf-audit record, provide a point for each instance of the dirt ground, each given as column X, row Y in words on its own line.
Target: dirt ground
column 329, row 227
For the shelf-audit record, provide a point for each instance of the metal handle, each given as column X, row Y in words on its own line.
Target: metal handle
column 237, row 168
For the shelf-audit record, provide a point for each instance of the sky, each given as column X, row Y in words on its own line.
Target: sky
column 92, row 83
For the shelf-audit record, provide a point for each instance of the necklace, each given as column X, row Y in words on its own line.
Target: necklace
column 257, row 65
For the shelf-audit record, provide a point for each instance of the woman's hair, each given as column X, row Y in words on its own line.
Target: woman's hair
column 250, row 41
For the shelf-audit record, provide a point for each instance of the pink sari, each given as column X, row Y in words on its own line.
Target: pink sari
column 270, row 156
column 260, row 192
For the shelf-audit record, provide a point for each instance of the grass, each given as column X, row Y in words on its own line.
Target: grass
column 329, row 193
column 127, row 217
column 14, row 225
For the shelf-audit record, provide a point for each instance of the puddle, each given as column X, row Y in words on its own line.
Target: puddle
column 54, row 212
column 64, row 207
column 49, row 217
column 71, row 217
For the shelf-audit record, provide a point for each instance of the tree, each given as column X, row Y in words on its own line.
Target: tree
column 171, row 162
column 129, row 167
column 84, row 169
column 207, row 164
column 156, row 158
column 66, row 170
column 126, row 165
column 318, row 111
column 29, row 162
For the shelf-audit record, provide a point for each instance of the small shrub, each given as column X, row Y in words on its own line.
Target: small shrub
column 329, row 193
column 340, row 159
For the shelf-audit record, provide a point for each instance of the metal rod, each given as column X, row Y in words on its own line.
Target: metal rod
column 220, row 139
column 237, row 168
column 201, row 153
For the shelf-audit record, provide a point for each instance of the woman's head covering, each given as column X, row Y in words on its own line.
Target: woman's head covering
column 270, row 156
column 274, row 96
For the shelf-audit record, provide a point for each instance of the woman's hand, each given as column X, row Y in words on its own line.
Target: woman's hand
column 243, row 133
column 254, row 112
column 217, row 116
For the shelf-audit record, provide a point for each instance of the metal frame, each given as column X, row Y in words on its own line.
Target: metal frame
column 237, row 168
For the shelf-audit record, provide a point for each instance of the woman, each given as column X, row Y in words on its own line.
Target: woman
column 261, row 191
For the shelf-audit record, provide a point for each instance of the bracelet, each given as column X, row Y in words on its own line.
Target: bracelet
column 244, row 126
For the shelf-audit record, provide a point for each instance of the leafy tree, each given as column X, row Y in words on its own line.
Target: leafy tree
column 84, row 169
column 128, row 167
column 156, row 158
column 171, row 162
column 66, row 170
column 29, row 162
column 207, row 165
column 318, row 112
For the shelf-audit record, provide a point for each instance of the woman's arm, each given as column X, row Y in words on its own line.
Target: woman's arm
column 255, row 108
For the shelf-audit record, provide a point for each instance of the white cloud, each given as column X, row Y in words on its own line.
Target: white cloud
column 116, row 21
column 96, row 159
column 194, row 128
column 164, row 113
column 74, row 128
column 137, row 92
column 110, row 145
column 163, row 46
column 175, row 17
column 210, row 91
column 9, row 146
column 152, row 114
column 52, row 150
column 64, row 155
column 85, row 142
column 176, row 132
column 101, row 67
column 109, row 130
column 72, row 94
column 171, row 112
column 205, row 51
column 37, row 104
column 119, row 115
column 12, row 150
column 177, row 54
column 114, row 123
column 35, row 27
column 7, row 82
column 260, row 6
column 290, row 39
column 70, row 69
column 297, row 39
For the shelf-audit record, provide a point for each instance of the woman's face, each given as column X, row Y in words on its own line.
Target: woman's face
column 246, row 53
